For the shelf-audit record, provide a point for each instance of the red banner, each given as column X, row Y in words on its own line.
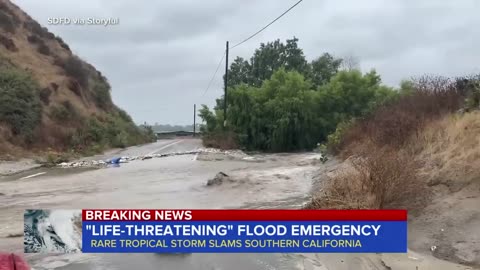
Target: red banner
column 241, row 215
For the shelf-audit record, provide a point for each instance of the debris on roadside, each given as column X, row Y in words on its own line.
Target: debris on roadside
column 234, row 154
column 114, row 161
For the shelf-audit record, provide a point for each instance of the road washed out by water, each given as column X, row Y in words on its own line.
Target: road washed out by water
column 277, row 181
column 172, row 182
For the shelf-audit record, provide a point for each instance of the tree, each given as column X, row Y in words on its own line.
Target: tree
column 324, row 68
column 239, row 72
column 294, row 59
column 280, row 102
column 272, row 56
column 274, row 117
column 209, row 117
column 267, row 59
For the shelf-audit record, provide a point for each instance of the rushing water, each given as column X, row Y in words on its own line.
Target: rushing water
column 280, row 181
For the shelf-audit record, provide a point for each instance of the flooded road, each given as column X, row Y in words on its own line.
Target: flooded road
column 273, row 181
column 277, row 181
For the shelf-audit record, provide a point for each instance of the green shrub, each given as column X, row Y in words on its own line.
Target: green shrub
column 101, row 91
column 64, row 112
column 49, row 35
column 6, row 22
column 95, row 131
column 288, row 114
column 473, row 95
column 8, row 43
column 75, row 68
column 62, row 43
column 120, row 139
column 124, row 115
column 34, row 27
column 45, row 95
column 19, row 102
column 148, row 133
column 43, row 49
column 75, row 87
column 34, row 39
column 5, row 64
column 53, row 158
column 110, row 131
column 334, row 140
column 473, row 101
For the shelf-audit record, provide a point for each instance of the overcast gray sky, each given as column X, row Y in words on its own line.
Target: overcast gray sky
column 162, row 54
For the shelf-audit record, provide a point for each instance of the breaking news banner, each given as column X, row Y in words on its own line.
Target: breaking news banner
column 230, row 231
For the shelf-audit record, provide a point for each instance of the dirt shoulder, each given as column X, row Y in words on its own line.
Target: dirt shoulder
column 449, row 227
column 443, row 235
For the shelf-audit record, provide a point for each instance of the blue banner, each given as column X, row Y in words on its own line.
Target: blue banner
column 244, row 237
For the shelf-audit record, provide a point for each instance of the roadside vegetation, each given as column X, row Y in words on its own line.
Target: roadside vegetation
column 396, row 144
column 419, row 152
column 20, row 107
column 393, row 157
column 278, row 101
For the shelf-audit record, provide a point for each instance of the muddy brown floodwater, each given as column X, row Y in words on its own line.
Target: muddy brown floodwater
column 272, row 181
column 172, row 182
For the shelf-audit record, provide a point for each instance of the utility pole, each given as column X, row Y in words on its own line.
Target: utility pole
column 225, row 94
column 194, row 118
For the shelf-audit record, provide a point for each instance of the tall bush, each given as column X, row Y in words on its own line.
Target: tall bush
column 288, row 113
column 20, row 104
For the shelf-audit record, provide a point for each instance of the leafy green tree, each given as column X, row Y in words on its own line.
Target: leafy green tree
column 279, row 102
column 271, row 56
column 294, row 59
column 324, row 68
column 209, row 117
column 239, row 72
column 275, row 116
column 268, row 58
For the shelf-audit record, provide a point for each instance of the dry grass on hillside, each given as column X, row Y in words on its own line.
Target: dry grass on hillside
column 395, row 154
column 383, row 179
column 73, row 98
column 450, row 151
column 446, row 152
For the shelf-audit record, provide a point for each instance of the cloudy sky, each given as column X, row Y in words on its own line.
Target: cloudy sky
column 161, row 56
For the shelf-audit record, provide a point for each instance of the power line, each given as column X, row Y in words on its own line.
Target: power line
column 266, row 26
column 245, row 40
column 214, row 74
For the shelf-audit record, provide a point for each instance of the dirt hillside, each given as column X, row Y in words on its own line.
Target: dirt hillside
column 49, row 97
